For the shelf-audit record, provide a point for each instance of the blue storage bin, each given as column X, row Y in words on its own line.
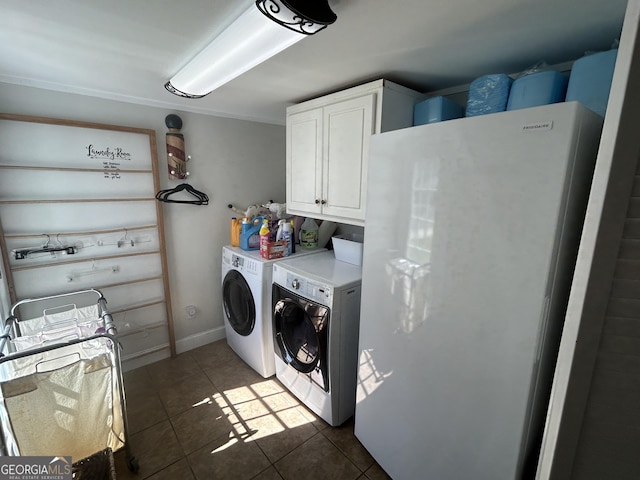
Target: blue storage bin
column 539, row 88
column 488, row 94
column 590, row 80
column 436, row 109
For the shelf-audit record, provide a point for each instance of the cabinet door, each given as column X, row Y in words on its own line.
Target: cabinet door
column 348, row 126
column 304, row 162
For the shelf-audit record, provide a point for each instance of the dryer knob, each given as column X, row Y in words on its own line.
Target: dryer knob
column 235, row 262
column 295, row 284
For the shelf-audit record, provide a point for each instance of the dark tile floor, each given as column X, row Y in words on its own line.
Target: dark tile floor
column 206, row 415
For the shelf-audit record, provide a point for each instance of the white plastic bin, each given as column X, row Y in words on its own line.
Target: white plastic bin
column 348, row 248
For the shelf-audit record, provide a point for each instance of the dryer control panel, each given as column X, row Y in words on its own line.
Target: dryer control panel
column 300, row 285
column 241, row 263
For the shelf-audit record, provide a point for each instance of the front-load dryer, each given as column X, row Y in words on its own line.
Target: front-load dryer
column 316, row 319
column 246, row 304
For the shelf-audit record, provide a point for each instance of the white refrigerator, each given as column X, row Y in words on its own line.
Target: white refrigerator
column 471, row 234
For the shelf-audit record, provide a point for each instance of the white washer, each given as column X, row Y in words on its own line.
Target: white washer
column 316, row 319
column 246, row 305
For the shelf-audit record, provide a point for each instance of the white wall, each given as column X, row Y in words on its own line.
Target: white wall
column 233, row 161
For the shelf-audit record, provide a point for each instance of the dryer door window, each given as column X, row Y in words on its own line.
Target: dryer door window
column 239, row 306
column 301, row 330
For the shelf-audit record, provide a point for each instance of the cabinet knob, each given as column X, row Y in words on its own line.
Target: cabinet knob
column 317, row 201
column 323, row 202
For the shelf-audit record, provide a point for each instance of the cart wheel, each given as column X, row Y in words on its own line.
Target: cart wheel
column 133, row 465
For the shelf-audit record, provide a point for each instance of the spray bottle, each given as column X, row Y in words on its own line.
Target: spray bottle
column 279, row 233
column 264, row 237
column 287, row 237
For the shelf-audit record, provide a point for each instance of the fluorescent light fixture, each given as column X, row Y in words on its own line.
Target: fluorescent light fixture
column 256, row 36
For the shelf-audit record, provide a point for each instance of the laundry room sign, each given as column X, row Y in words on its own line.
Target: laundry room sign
column 111, row 158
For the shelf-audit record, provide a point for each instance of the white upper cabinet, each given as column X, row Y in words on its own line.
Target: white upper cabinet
column 328, row 147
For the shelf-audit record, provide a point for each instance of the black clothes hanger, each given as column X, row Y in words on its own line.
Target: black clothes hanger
column 200, row 198
column 23, row 253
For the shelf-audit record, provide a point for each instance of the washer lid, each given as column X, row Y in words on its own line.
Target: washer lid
column 254, row 255
column 324, row 268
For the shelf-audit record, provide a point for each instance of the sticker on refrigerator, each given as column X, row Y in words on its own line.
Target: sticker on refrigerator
column 537, row 127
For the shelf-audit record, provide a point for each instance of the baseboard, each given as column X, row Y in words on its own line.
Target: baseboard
column 141, row 359
column 200, row 339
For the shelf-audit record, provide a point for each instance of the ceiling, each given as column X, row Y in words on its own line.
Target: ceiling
column 127, row 49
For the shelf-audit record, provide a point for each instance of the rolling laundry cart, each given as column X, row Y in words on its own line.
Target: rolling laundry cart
column 61, row 388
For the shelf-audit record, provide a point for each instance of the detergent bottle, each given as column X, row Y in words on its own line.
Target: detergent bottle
column 236, row 228
column 309, row 233
column 250, row 233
